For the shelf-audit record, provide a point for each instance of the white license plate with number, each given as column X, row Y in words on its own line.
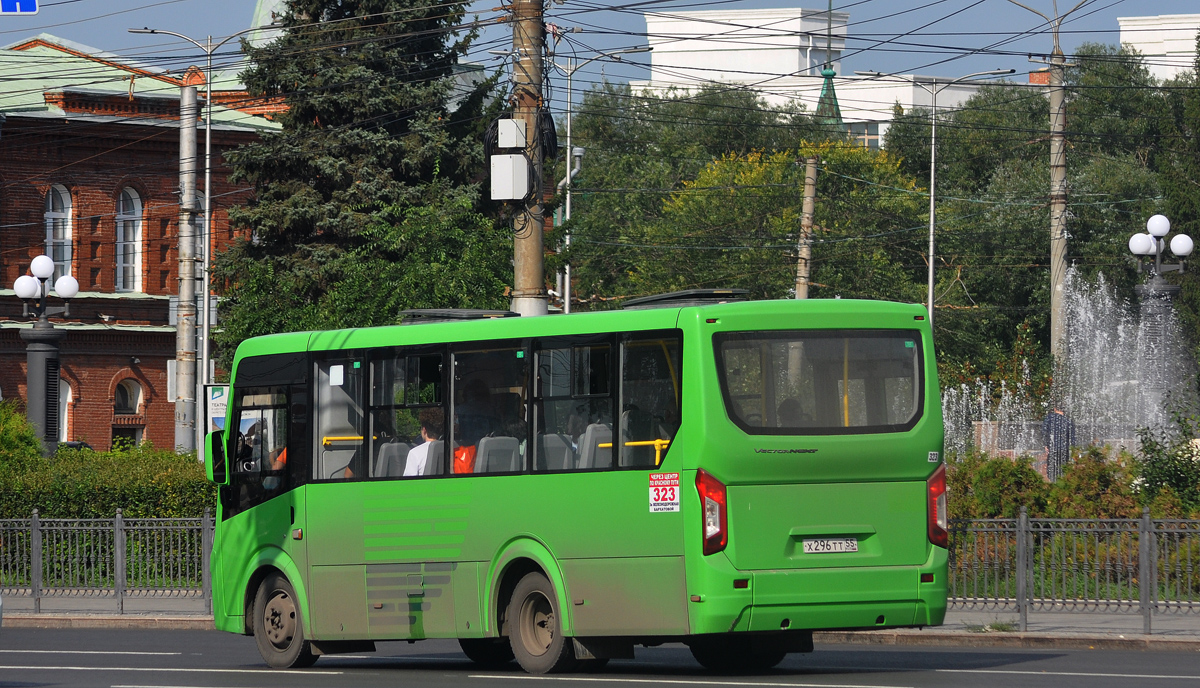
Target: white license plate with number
column 830, row 545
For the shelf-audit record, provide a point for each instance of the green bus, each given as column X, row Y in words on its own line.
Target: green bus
column 694, row 468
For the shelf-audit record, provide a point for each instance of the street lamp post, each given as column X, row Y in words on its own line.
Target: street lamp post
column 41, row 349
column 577, row 153
column 1154, row 307
column 933, row 88
column 206, row 254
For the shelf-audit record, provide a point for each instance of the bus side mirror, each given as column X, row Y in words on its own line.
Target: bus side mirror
column 214, row 457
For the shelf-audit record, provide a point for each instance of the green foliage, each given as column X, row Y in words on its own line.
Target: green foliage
column 999, row 488
column 80, row 483
column 1169, row 469
column 1094, row 486
column 364, row 202
column 19, row 443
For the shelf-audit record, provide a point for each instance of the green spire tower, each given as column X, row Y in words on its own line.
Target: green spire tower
column 829, row 114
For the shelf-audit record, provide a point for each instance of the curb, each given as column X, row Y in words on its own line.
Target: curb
column 1061, row 641
column 129, row 621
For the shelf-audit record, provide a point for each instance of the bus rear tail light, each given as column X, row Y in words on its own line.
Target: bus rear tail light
column 713, row 506
column 938, row 522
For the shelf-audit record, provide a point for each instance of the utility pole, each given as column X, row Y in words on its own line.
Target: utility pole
column 529, row 38
column 1058, row 202
column 1058, row 181
column 804, row 248
column 185, row 314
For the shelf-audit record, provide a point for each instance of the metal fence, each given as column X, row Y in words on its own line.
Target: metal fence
column 1144, row 566
column 115, row 558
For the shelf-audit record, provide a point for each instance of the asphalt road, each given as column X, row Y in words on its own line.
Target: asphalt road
column 197, row 659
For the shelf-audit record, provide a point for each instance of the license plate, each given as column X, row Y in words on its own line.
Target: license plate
column 830, row 545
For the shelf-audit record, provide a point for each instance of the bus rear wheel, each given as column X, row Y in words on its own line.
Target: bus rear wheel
column 535, row 628
column 490, row 653
column 278, row 628
column 734, row 655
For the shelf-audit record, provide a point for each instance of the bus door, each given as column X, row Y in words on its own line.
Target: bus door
column 264, row 504
column 338, row 606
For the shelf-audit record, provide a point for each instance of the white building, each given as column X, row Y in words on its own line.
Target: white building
column 779, row 53
column 1167, row 41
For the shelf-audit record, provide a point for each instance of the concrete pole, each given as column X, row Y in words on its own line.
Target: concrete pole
column 804, row 246
column 932, row 195
column 185, row 331
column 1058, row 205
column 529, row 292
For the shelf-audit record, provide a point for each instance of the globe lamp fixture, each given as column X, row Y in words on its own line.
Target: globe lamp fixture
column 1153, row 243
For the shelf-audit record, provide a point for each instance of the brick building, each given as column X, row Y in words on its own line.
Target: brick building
column 89, row 170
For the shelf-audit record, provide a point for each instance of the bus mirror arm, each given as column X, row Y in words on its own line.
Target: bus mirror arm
column 215, row 466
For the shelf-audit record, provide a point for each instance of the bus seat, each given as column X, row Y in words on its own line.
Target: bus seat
column 637, row 426
column 497, row 455
column 391, row 459
column 435, row 463
column 591, row 454
column 557, row 454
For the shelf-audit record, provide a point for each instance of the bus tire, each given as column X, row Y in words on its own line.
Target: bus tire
column 732, row 655
column 489, row 653
column 535, row 628
column 278, row 627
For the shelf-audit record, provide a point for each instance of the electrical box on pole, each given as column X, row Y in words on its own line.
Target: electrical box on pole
column 510, row 177
column 510, row 133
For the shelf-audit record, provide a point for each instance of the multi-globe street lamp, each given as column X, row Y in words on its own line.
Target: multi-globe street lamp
column 41, row 349
column 1154, row 297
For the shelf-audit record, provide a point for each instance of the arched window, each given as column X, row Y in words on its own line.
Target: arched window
column 64, row 405
column 58, row 229
column 129, row 241
column 127, row 397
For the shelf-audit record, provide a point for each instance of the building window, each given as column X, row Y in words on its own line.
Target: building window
column 129, row 241
column 127, row 397
column 64, row 405
column 126, row 437
column 58, row 229
column 865, row 134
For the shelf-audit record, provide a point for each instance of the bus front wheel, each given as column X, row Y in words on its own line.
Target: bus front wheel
column 277, row 625
column 535, row 628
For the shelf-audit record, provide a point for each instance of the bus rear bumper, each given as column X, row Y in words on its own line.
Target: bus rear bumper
column 832, row 598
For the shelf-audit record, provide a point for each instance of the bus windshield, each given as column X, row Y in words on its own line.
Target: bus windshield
column 825, row 382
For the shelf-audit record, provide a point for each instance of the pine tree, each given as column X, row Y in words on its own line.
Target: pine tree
column 365, row 201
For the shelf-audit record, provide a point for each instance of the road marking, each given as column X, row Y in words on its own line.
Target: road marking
column 682, row 682
column 1064, row 673
column 86, row 652
column 310, row 672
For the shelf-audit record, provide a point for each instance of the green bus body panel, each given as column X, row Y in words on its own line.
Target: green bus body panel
column 425, row 558
column 768, row 524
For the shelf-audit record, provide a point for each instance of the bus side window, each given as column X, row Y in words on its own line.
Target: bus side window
column 650, row 394
column 339, row 420
column 489, row 432
column 259, row 454
column 407, row 420
column 574, row 408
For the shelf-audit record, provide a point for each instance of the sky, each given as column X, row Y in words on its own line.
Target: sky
column 935, row 37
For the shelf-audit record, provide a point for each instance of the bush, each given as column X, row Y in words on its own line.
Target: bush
column 1169, row 469
column 1094, row 486
column 989, row 487
column 81, row 483
column 19, row 443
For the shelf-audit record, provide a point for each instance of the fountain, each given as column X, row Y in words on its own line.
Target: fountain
column 1125, row 369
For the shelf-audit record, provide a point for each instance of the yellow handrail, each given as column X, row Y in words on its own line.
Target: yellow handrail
column 659, row 445
column 326, row 441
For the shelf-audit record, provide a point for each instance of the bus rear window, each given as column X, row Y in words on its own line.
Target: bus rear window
column 824, row 382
